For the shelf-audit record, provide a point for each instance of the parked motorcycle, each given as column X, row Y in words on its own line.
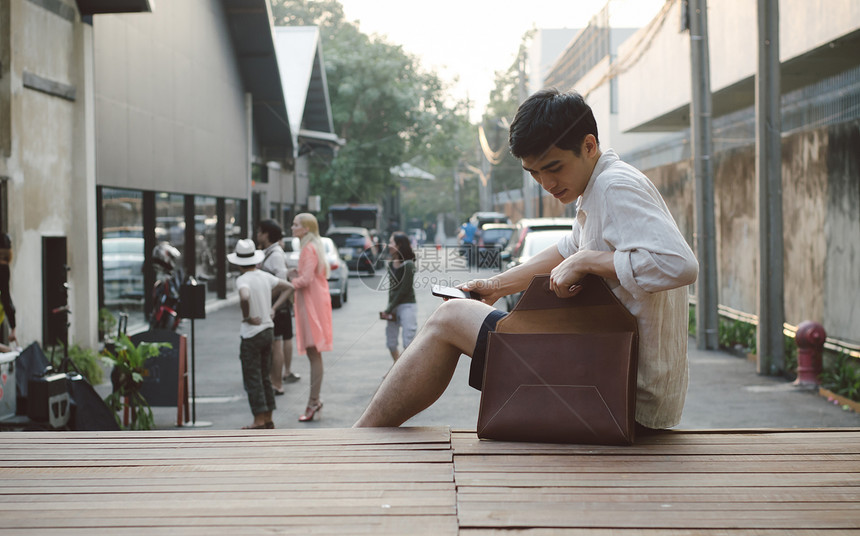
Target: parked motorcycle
column 165, row 293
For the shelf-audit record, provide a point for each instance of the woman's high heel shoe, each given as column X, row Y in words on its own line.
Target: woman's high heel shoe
column 311, row 412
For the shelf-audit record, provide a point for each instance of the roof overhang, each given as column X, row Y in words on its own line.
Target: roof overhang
column 326, row 142
column 300, row 58
column 253, row 41
column 408, row 171
column 822, row 62
column 96, row 7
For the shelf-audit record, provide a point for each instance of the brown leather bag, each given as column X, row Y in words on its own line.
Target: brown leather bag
column 562, row 370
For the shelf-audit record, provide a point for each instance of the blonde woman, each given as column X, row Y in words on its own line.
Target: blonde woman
column 312, row 305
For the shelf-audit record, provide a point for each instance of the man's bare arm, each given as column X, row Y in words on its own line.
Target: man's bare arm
column 245, row 306
column 517, row 278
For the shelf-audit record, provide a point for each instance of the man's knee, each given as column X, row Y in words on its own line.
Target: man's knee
column 458, row 322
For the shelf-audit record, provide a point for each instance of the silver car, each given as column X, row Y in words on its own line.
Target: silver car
column 338, row 279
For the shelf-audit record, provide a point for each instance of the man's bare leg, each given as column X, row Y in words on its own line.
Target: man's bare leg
column 424, row 369
column 277, row 364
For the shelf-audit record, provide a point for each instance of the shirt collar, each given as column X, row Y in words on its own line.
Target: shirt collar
column 272, row 247
column 607, row 158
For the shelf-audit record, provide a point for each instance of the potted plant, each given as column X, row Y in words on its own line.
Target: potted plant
column 128, row 362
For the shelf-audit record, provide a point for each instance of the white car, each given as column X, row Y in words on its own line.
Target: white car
column 532, row 244
column 122, row 265
column 338, row 279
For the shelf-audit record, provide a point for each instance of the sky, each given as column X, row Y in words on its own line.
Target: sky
column 469, row 40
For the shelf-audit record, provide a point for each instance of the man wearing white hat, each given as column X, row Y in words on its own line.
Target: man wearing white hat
column 256, row 290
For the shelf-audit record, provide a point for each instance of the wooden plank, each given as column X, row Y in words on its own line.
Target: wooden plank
column 389, row 494
column 791, row 494
column 336, row 436
column 182, row 457
column 395, row 525
column 691, row 481
column 701, row 519
column 667, row 464
column 239, row 485
column 789, row 443
column 655, row 532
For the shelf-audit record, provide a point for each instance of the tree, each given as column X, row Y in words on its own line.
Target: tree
column 387, row 108
column 500, row 111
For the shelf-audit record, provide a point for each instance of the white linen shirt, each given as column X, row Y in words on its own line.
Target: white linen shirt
column 621, row 211
column 260, row 285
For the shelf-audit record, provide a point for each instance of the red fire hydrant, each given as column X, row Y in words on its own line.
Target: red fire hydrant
column 810, row 341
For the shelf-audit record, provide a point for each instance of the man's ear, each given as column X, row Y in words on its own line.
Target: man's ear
column 589, row 145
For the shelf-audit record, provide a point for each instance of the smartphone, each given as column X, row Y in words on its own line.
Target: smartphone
column 452, row 292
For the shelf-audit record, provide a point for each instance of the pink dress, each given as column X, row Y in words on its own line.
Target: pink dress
column 313, row 304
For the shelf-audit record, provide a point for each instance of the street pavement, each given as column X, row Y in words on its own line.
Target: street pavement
column 724, row 391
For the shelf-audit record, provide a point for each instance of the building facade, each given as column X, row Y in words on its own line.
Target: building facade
column 126, row 129
column 649, row 124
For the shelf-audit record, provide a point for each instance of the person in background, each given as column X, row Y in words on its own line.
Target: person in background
column 467, row 238
column 256, row 289
column 313, row 305
column 8, row 308
column 402, row 311
column 269, row 234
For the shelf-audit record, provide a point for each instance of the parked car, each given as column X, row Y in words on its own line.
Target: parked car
column 479, row 219
column 527, row 225
column 356, row 247
column 533, row 243
column 338, row 279
column 122, row 268
column 492, row 239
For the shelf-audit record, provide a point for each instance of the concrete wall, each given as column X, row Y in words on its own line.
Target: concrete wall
column 821, row 207
column 47, row 156
column 659, row 81
column 170, row 109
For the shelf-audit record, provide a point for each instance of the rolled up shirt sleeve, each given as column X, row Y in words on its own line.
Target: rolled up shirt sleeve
column 650, row 254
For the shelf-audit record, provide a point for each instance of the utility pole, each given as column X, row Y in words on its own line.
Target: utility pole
column 771, row 305
column 528, row 182
column 707, row 318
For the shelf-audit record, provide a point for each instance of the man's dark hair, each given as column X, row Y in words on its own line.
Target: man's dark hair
column 272, row 229
column 549, row 118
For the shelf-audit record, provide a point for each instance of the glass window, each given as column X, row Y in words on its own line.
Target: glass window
column 170, row 220
column 205, row 233
column 233, row 232
column 122, row 253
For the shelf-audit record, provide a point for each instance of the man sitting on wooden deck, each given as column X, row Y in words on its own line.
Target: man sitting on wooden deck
column 623, row 233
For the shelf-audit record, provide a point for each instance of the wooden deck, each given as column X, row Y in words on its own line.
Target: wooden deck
column 426, row 481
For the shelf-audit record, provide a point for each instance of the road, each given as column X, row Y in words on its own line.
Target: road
column 353, row 370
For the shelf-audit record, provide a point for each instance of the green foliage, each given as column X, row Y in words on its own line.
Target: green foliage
column 842, row 377
column 107, row 321
column 691, row 321
column 127, row 376
column 736, row 334
column 387, row 108
column 86, row 361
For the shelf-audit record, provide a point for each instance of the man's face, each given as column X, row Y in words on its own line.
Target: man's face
column 561, row 173
column 263, row 239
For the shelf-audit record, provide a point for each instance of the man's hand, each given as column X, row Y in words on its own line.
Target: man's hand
column 253, row 320
column 564, row 279
column 488, row 289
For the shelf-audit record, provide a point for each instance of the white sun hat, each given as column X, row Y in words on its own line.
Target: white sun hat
column 246, row 253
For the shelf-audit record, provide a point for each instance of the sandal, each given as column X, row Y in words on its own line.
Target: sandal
column 257, row 426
